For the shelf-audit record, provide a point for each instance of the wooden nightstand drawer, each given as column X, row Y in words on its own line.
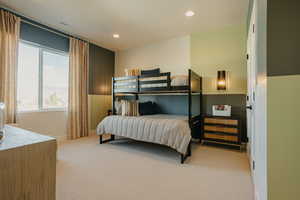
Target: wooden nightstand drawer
column 221, row 129
column 221, row 121
column 221, row 137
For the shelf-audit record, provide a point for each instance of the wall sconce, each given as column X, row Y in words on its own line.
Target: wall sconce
column 221, row 82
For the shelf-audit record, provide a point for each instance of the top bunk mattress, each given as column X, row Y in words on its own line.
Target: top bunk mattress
column 180, row 80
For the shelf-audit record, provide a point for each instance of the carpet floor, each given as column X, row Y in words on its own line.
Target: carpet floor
column 130, row 170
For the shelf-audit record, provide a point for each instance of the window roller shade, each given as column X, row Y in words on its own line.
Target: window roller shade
column 43, row 37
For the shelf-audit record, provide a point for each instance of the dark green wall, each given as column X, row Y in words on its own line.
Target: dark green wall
column 283, row 37
column 101, row 70
column 238, row 107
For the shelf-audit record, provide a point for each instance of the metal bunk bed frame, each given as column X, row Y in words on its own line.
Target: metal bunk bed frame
column 134, row 85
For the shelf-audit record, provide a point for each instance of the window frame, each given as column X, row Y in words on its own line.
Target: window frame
column 42, row 49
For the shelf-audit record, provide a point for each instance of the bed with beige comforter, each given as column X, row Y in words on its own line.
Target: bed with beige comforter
column 170, row 130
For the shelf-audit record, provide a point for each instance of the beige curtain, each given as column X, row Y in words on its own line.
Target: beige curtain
column 78, row 92
column 9, row 41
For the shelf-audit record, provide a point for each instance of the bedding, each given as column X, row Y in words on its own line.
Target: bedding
column 150, row 71
column 181, row 80
column 118, row 107
column 148, row 108
column 169, row 130
column 132, row 72
column 130, row 108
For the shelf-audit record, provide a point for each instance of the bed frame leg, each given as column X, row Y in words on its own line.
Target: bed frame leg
column 189, row 151
column 181, row 158
column 112, row 138
column 100, row 139
column 188, row 154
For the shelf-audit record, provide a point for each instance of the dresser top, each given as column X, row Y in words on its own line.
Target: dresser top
column 17, row 137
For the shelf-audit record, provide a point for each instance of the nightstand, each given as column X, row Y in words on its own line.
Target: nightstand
column 222, row 130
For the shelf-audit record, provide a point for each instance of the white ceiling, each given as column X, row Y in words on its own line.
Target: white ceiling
column 138, row 22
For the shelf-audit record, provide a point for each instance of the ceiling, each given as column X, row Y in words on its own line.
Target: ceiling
column 138, row 22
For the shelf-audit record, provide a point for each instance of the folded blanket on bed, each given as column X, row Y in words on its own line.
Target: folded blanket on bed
column 174, row 133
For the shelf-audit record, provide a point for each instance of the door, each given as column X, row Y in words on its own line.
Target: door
column 251, row 73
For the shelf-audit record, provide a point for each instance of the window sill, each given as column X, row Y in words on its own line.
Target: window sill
column 44, row 110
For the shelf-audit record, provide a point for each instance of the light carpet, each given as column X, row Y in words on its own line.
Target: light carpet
column 130, row 170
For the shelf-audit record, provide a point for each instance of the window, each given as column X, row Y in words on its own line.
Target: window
column 55, row 80
column 42, row 78
column 28, row 78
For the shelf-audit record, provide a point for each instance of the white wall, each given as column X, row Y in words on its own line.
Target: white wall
column 170, row 56
column 52, row 123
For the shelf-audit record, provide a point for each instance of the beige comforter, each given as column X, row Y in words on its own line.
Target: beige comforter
column 169, row 130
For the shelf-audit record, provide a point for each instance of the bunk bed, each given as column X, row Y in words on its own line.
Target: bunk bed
column 189, row 86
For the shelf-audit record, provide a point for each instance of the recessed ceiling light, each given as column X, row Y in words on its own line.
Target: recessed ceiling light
column 189, row 13
column 116, row 35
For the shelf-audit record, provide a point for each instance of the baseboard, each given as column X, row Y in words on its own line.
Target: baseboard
column 249, row 155
column 256, row 197
column 92, row 132
column 61, row 138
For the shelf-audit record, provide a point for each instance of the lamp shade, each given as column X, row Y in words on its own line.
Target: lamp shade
column 221, row 82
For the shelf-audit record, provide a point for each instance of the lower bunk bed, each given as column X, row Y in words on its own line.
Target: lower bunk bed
column 169, row 130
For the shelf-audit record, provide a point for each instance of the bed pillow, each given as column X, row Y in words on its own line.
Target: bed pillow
column 132, row 72
column 150, row 71
column 145, row 108
column 148, row 108
column 130, row 108
column 118, row 107
column 155, row 108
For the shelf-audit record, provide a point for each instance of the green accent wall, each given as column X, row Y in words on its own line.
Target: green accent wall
column 283, row 37
column 283, row 107
column 101, row 71
column 98, row 107
column 222, row 49
column 283, row 97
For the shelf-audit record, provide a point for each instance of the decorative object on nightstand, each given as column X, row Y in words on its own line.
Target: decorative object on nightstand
column 221, row 110
column 222, row 130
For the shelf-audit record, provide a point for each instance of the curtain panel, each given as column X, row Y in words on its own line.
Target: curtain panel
column 78, row 89
column 9, row 41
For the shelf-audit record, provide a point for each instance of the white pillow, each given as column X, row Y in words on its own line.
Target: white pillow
column 118, row 107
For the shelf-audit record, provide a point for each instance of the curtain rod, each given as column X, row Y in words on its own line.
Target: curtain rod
column 27, row 20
